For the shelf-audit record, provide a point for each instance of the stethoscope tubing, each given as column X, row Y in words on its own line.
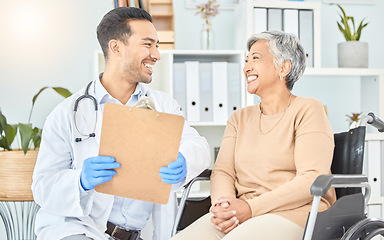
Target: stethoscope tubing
column 85, row 96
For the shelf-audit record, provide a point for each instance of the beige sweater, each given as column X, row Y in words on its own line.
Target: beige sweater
column 273, row 171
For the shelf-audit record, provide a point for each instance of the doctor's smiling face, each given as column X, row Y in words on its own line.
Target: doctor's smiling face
column 140, row 52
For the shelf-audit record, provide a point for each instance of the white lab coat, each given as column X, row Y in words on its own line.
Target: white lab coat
column 66, row 209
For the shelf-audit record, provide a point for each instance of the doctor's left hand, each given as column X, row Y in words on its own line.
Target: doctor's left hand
column 176, row 171
column 97, row 170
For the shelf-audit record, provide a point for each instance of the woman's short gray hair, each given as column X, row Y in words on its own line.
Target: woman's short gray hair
column 283, row 46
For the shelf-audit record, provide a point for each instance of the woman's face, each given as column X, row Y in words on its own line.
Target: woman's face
column 259, row 70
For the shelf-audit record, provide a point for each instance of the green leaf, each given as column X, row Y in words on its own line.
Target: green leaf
column 7, row 133
column 35, row 97
column 3, row 143
column 62, row 91
column 347, row 29
column 11, row 133
column 344, row 21
column 36, row 137
column 25, row 135
column 358, row 32
column 33, row 102
column 342, row 31
column 344, row 18
column 3, row 123
column 353, row 24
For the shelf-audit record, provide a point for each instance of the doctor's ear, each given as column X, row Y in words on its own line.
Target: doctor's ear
column 114, row 46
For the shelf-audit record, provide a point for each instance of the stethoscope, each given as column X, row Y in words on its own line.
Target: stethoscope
column 85, row 95
column 143, row 102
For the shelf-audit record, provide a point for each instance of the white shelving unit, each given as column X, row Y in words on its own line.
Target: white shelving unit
column 163, row 70
column 372, row 85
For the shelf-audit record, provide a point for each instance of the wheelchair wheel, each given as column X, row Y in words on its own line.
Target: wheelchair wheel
column 365, row 229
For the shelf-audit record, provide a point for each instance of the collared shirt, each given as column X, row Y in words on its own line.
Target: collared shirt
column 126, row 213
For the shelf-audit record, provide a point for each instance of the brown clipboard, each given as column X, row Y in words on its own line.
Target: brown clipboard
column 142, row 141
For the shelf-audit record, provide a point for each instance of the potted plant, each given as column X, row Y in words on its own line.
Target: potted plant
column 352, row 53
column 16, row 165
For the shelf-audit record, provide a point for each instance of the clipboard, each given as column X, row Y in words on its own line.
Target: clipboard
column 142, row 141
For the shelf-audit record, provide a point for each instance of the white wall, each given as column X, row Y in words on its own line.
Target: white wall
column 52, row 43
column 45, row 43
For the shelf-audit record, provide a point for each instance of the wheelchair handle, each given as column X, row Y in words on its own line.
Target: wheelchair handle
column 374, row 121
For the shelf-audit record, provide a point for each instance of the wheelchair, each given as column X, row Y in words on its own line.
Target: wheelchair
column 346, row 219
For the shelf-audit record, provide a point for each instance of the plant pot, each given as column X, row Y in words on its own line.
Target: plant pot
column 353, row 54
column 16, row 171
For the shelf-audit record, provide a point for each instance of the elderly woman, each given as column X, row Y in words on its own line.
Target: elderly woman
column 271, row 152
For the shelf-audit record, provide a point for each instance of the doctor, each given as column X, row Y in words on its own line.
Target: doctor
column 68, row 166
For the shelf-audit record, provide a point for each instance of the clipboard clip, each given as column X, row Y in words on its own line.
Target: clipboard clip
column 145, row 102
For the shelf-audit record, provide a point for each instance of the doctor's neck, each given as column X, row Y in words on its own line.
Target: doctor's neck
column 118, row 86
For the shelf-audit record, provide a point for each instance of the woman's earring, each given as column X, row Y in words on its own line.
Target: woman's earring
column 281, row 78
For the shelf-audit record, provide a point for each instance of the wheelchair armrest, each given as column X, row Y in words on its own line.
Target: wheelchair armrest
column 204, row 176
column 321, row 186
column 323, row 182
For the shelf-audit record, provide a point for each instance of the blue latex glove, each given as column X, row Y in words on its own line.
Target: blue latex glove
column 176, row 171
column 97, row 170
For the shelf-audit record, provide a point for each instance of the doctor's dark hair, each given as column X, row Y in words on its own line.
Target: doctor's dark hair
column 283, row 46
column 115, row 25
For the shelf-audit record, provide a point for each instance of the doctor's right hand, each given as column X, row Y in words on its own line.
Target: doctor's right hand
column 97, row 170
